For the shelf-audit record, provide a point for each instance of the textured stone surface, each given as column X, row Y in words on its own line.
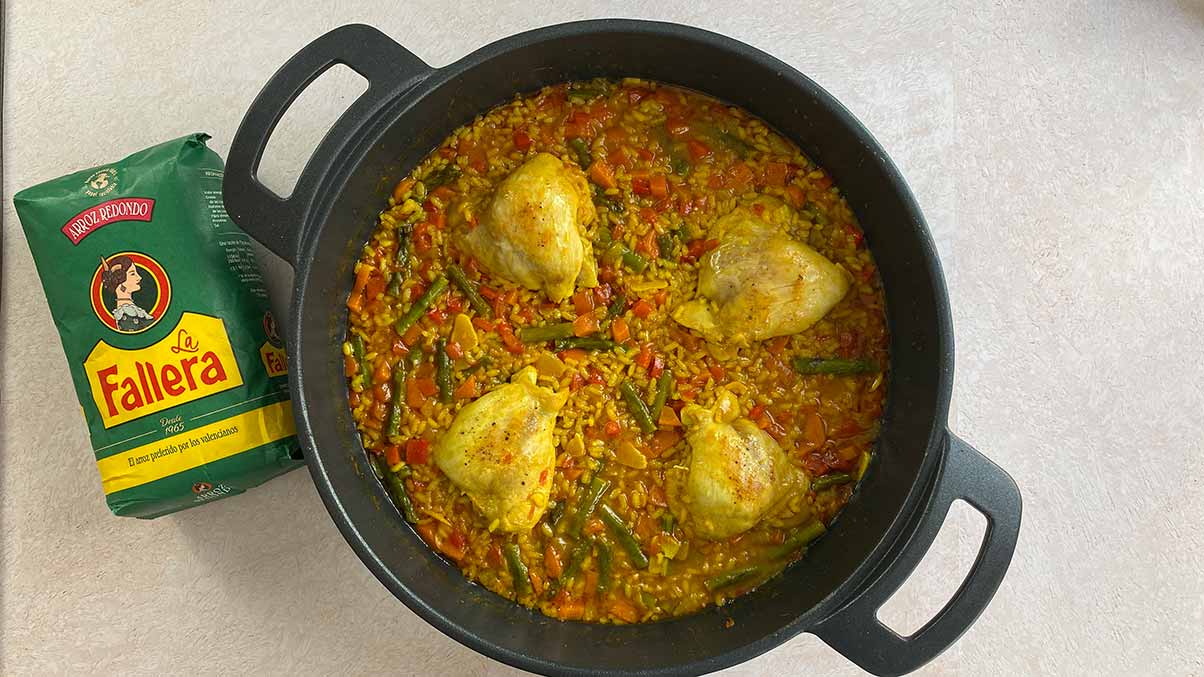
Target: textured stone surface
column 1056, row 148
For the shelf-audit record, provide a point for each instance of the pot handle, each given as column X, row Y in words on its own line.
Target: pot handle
column 389, row 69
column 855, row 630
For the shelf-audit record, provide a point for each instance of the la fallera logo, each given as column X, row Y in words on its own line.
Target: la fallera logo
column 193, row 361
column 130, row 292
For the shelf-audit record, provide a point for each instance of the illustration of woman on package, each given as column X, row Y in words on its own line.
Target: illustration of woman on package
column 121, row 278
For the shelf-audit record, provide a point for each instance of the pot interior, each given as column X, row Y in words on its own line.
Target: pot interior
column 919, row 381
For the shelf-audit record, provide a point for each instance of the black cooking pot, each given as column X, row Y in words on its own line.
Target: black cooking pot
column 920, row 468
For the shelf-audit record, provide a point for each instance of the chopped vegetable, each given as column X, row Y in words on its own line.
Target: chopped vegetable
column 639, row 410
column 583, row 343
column 549, row 365
column 547, row 332
column 618, row 252
column 468, row 389
column 576, row 559
column 619, row 330
column 633, row 260
column 624, row 536
column 469, row 290
column 664, row 384
column 832, row 479
column 668, row 418
column 415, row 311
column 605, row 564
column 733, row 577
column 581, row 151
column 443, row 375
column 418, row 452
column 658, row 186
column 397, row 490
column 617, row 306
column 518, row 570
column 628, row 455
column 357, row 351
column 833, row 365
column 401, row 261
column 393, row 428
column 555, row 512
column 664, row 244
column 593, row 495
column 442, row 176
column 798, row 539
column 623, row 609
column 585, row 325
column 601, row 173
column 463, row 332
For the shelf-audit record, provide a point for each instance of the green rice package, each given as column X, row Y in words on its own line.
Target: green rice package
column 164, row 318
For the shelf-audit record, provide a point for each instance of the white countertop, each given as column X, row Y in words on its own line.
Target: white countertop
column 1058, row 153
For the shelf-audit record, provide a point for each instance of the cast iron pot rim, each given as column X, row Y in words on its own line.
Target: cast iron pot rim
column 394, row 110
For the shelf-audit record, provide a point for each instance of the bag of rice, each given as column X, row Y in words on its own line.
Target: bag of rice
column 162, row 312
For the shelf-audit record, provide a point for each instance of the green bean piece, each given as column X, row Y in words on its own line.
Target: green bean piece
column 442, row 176
column 593, row 495
column 396, row 488
column 625, row 537
column 584, row 158
column 470, row 292
column 634, row 261
column 678, row 156
column 731, row 578
column 416, row 309
column 518, row 570
column 587, row 92
column 555, row 512
column 618, row 252
column 358, row 351
column 648, row 600
column 484, row 363
column 584, row 343
column 393, row 429
column 614, row 204
column 664, row 244
column 618, row 306
column 832, row 479
column 809, row 532
column 639, row 410
column 576, row 560
column 605, row 564
column 663, row 385
column 378, row 466
column 443, row 370
column 401, row 263
column 547, row 332
column 834, row 366
column 613, row 253
column 734, row 143
column 667, row 522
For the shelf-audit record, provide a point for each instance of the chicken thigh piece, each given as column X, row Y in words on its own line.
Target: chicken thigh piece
column 532, row 232
column 737, row 474
column 760, row 283
column 500, row 451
